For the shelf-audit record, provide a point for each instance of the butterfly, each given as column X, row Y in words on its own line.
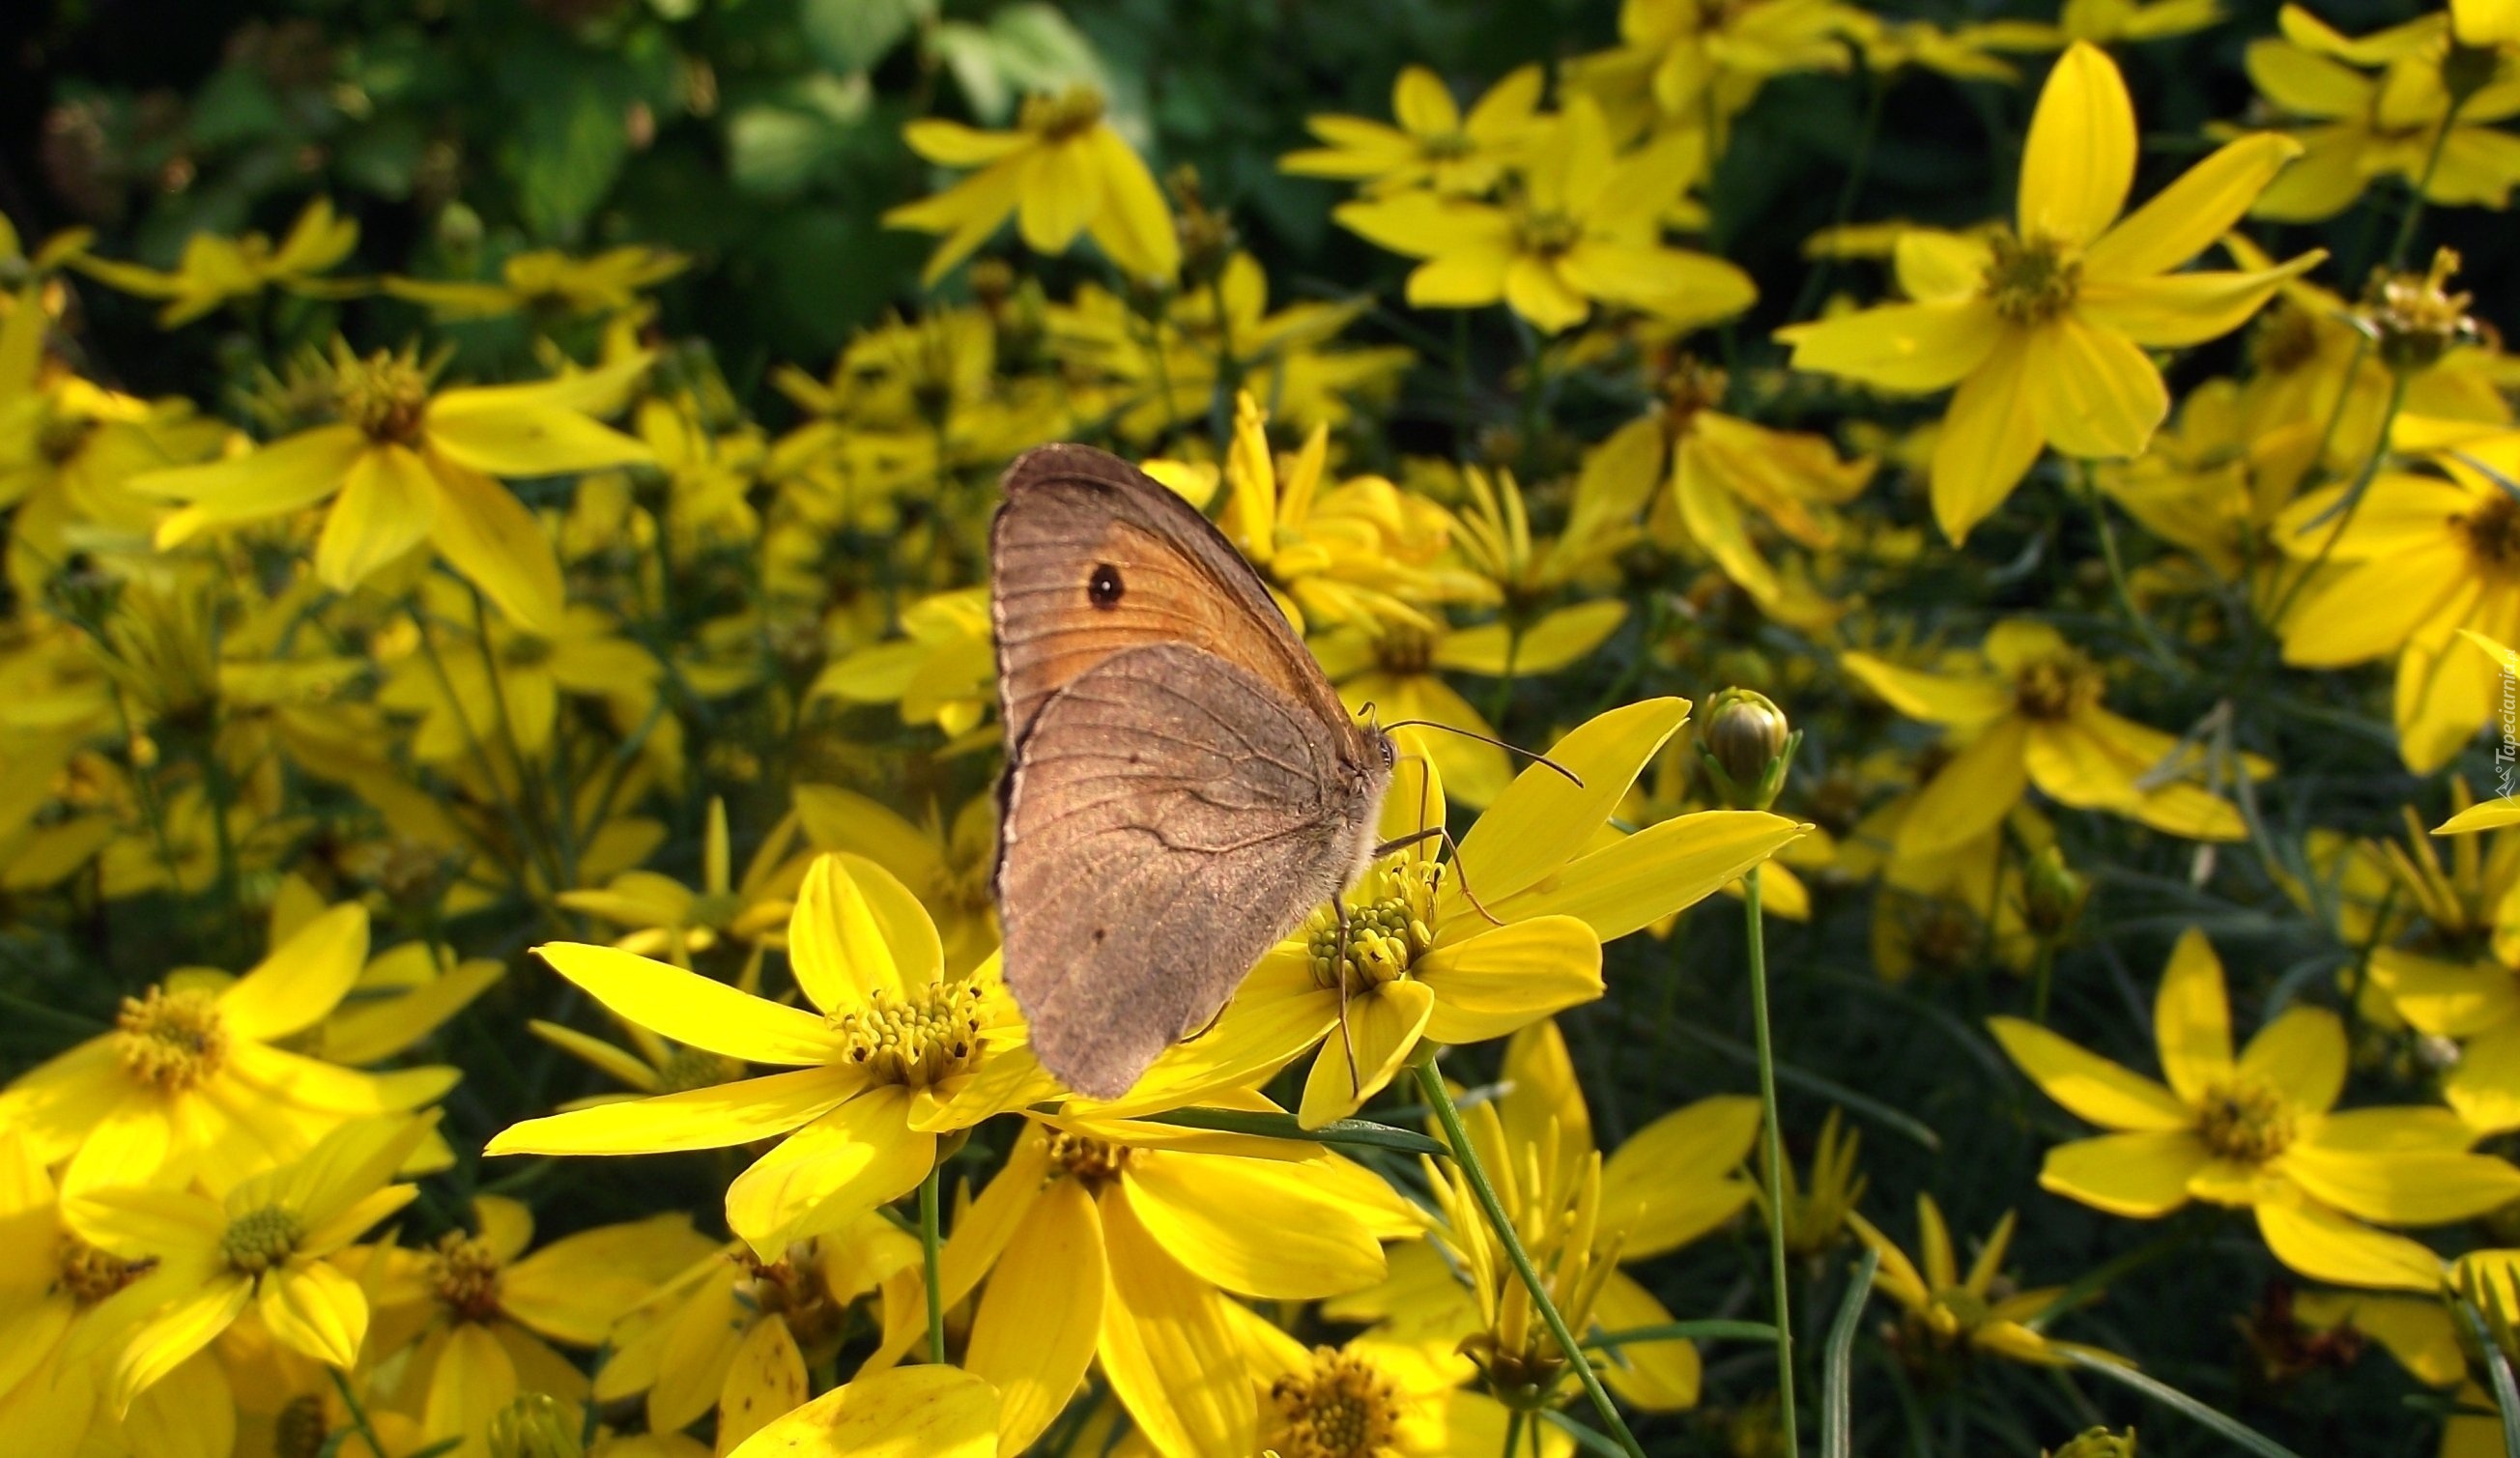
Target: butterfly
column 1183, row 785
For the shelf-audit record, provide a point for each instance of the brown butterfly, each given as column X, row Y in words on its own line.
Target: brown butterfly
column 1181, row 783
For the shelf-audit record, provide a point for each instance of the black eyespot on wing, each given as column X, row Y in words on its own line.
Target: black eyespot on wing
column 1103, row 588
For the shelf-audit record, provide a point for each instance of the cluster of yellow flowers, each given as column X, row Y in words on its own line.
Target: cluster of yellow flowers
column 445, row 707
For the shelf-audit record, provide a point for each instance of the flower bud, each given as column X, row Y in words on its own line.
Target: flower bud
column 534, row 1425
column 2051, row 896
column 2099, row 1442
column 1748, row 739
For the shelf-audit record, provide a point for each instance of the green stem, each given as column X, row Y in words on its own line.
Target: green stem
column 1513, row 1431
column 2405, row 237
column 2041, row 977
column 2152, row 640
column 2351, row 505
column 1430, row 1082
column 1773, row 1141
column 929, row 1244
column 358, row 1414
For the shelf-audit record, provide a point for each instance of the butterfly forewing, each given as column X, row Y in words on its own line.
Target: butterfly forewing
column 1181, row 785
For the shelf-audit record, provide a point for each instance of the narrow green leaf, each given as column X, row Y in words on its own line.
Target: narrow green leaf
column 2507, row 1396
column 1584, row 1438
column 1836, row 1378
column 1345, row 1134
column 1684, row 1331
column 1828, row 1088
column 2196, row 1412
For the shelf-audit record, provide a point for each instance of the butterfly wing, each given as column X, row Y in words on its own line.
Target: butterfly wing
column 1091, row 556
column 1171, row 817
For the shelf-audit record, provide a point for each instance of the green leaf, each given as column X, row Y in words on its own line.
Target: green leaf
column 572, row 133
column 1836, row 1380
column 852, row 35
column 1354, row 1133
column 772, row 152
column 2171, row 1397
column 2498, row 1371
column 1712, row 1330
column 1022, row 49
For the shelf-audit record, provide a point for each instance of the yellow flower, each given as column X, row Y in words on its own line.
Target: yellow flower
column 1685, row 61
column 1109, row 1238
column 51, row 1283
column 1423, row 962
column 484, row 1313
column 1061, row 172
column 940, row 672
column 2260, row 1131
column 1581, row 225
column 947, row 863
column 930, row 1412
column 1433, row 146
column 1948, row 1314
column 1959, row 53
column 733, row 1330
column 2420, row 558
column 2356, row 127
column 265, row 1246
column 1671, row 1182
column 404, row 465
column 2460, row 978
column 481, row 696
column 216, row 270
column 2106, row 23
column 191, row 1083
column 894, row 1055
column 666, row 916
column 2027, row 712
column 1372, row 1398
column 2043, row 328
column 547, row 281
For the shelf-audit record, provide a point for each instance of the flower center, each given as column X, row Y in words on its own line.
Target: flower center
column 1445, row 147
column 385, row 396
column 1957, row 1312
column 921, row 1040
column 1092, row 1162
column 2031, row 281
column 525, row 651
column 793, row 1288
column 1385, row 935
column 170, row 1040
column 62, row 436
column 260, row 1239
column 465, row 1272
column 2054, row 689
column 2493, row 531
column 1403, row 648
column 1548, row 234
column 1342, row 1408
column 300, row 1431
column 696, row 1068
column 90, row 1275
column 2285, row 340
column 2245, row 1122
column 1058, row 118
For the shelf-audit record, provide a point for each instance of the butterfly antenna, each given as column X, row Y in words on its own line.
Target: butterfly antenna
column 1347, row 1043
column 1534, row 755
column 1461, row 878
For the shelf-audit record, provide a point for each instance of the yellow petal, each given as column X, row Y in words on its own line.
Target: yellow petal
column 1541, row 819
column 1917, row 346
column 1654, row 1376
column 497, row 433
column 388, row 501
column 2326, row 1245
column 303, row 979
column 2403, row 1188
column 1133, row 226
column 1989, row 440
column 1971, row 795
column 2187, row 308
column 1034, row 1333
column 713, row 1117
column 951, row 144
column 766, row 1380
column 2191, row 1019
column 1256, row 1227
column 1666, row 1185
column 1168, row 1350
column 172, row 1335
column 695, row 1009
column 912, row 1412
column 315, row 1310
column 2302, row 1053
column 1382, row 1028
column 857, row 1156
column 2087, row 1085
column 1061, row 191
column 2485, row 1087
column 1936, row 698
column 2185, row 219
column 2094, row 391
column 1504, row 977
column 272, row 482
column 835, row 944
column 486, row 533
column 2080, row 158
column 2141, row 1175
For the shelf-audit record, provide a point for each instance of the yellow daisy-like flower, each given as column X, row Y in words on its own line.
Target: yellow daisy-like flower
column 2029, row 713
column 1374, row 1397
column 2356, row 127
column 2259, row 1131
column 1433, row 145
column 265, row 1246
column 666, row 916
column 192, row 1083
column 548, row 281
column 405, row 463
column 1061, row 172
column 893, row 1055
column 1948, row 1314
column 1423, row 962
column 215, row 269
column 1582, row 225
column 2043, row 328
column 1684, row 59
column 1109, row 1240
